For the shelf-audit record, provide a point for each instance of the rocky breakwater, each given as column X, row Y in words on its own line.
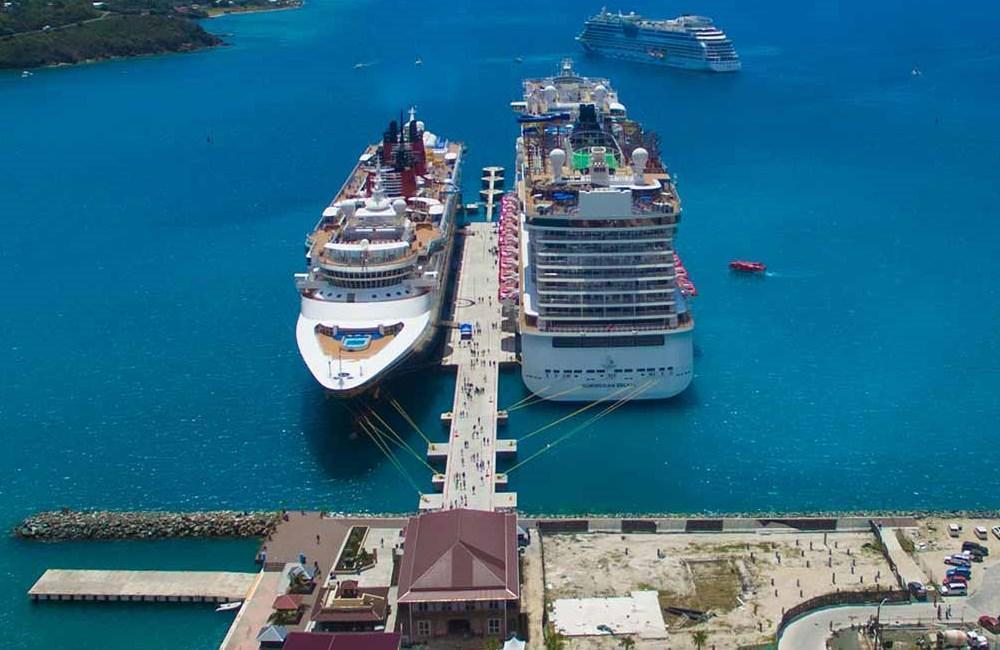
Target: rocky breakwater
column 64, row 525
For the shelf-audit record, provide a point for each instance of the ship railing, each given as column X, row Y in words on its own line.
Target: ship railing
column 546, row 326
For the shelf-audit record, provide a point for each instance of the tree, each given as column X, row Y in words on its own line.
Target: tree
column 700, row 638
column 491, row 643
column 626, row 643
column 554, row 640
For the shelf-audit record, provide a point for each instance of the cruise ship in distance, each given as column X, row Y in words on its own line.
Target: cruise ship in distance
column 691, row 42
column 602, row 312
column 378, row 260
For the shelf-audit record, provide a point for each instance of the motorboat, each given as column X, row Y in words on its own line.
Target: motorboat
column 746, row 266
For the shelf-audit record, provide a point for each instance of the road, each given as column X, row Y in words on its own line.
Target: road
column 811, row 632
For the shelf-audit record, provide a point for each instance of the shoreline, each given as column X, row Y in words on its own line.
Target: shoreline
column 107, row 525
column 226, row 12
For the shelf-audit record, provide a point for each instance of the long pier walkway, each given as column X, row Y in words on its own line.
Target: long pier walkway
column 160, row 586
column 493, row 182
column 470, row 479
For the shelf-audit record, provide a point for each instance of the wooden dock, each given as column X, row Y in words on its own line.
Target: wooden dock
column 470, row 479
column 143, row 586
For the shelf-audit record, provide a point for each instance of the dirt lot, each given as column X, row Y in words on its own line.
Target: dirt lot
column 744, row 580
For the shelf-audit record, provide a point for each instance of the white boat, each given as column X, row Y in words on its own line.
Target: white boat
column 602, row 315
column 228, row 607
column 378, row 259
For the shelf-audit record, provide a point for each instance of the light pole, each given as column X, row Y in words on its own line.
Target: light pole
column 878, row 624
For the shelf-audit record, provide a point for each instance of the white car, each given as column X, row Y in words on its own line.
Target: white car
column 996, row 531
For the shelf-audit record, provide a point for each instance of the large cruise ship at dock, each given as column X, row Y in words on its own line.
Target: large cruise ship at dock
column 603, row 305
column 692, row 42
column 378, row 260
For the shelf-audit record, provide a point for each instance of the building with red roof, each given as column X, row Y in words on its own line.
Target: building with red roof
column 459, row 575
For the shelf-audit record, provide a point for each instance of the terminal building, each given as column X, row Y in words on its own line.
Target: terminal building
column 459, row 576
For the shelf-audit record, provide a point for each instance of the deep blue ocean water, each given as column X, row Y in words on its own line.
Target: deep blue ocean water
column 153, row 212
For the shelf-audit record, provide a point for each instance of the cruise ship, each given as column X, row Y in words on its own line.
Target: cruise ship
column 603, row 313
column 378, row 260
column 691, row 42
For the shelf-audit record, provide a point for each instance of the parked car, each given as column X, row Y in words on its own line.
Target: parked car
column 961, row 579
column 990, row 623
column 954, row 529
column 965, row 572
column 954, row 589
column 974, row 547
column 996, row 531
column 980, row 532
column 917, row 590
column 957, row 560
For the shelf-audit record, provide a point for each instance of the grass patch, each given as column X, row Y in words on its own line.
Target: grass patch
column 905, row 542
column 716, row 585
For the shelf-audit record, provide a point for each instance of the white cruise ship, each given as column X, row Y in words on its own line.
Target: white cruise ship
column 378, row 261
column 692, row 42
column 603, row 313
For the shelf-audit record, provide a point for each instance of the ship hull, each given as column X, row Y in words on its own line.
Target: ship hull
column 641, row 56
column 584, row 374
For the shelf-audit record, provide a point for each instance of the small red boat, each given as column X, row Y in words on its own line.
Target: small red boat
column 747, row 267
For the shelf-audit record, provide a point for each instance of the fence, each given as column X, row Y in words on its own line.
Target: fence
column 837, row 599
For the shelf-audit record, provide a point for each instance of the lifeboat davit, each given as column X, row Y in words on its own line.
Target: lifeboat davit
column 747, row 266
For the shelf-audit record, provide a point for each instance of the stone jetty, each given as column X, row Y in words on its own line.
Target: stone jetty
column 65, row 525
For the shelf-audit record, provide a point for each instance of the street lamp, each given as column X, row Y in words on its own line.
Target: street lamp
column 878, row 624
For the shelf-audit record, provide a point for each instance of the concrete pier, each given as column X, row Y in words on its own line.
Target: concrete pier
column 155, row 586
column 493, row 182
column 470, row 478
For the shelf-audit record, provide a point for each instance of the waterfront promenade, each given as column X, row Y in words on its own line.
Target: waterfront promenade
column 470, row 479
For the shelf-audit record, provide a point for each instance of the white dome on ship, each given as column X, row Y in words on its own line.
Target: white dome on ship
column 550, row 93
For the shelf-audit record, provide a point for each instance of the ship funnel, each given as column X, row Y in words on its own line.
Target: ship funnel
column 557, row 157
column 347, row 208
column 399, row 207
column 639, row 159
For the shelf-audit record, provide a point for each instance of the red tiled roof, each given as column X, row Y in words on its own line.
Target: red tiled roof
column 323, row 641
column 370, row 607
column 287, row 602
column 460, row 555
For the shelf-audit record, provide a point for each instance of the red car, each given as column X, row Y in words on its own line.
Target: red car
column 990, row 623
column 962, row 580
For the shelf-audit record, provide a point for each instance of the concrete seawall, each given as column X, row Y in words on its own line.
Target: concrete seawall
column 65, row 525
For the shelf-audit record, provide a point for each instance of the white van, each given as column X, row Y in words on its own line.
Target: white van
column 954, row 529
column 980, row 532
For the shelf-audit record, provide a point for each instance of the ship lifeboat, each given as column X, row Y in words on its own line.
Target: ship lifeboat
column 745, row 266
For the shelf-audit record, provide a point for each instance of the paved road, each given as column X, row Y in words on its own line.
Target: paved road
column 811, row 632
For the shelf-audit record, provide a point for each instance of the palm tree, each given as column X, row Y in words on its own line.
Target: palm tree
column 700, row 638
column 626, row 643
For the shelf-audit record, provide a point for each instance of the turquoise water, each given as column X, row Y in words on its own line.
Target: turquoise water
column 154, row 211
